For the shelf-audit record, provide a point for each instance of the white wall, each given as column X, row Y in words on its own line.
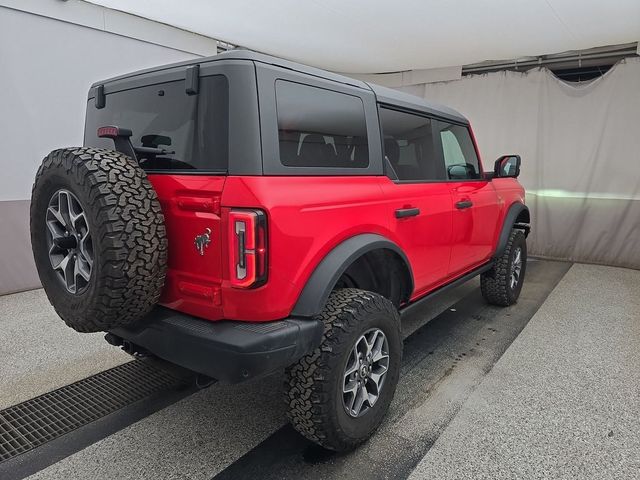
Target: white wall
column 46, row 67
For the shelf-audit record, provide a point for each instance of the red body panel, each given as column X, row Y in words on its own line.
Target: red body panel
column 474, row 228
column 306, row 218
column 191, row 204
column 425, row 238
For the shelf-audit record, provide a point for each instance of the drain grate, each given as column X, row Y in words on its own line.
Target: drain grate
column 37, row 421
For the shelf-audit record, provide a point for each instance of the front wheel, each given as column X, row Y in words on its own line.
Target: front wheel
column 338, row 394
column 502, row 284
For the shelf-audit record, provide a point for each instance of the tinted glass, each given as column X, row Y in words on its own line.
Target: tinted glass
column 409, row 147
column 320, row 128
column 191, row 129
column 459, row 154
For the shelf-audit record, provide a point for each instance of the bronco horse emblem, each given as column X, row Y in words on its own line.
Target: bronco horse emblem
column 202, row 241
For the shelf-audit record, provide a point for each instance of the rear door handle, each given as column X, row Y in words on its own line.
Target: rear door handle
column 464, row 204
column 407, row 212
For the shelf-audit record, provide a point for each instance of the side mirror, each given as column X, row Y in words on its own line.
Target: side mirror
column 507, row 166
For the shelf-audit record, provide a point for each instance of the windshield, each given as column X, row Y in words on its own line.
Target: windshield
column 171, row 130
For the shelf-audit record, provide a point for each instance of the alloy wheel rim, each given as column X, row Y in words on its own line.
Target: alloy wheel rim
column 516, row 268
column 69, row 241
column 365, row 372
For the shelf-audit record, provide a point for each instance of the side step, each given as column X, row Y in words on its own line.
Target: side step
column 455, row 283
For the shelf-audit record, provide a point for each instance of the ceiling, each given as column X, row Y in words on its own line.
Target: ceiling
column 374, row 36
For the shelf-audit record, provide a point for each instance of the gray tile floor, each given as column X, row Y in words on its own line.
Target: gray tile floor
column 564, row 399
column 562, row 402
column 39, row 353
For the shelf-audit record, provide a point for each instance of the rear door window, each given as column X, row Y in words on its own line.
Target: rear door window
column 191, row 129
column 409, row 146
column 320, row 128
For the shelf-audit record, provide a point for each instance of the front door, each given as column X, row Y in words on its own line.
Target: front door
column 475, row 201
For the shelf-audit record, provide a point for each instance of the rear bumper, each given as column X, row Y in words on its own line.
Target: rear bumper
column 226, row 350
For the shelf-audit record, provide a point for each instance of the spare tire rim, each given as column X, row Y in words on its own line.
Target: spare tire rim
column 365, row 372
column 69, row 241
column 516, row 268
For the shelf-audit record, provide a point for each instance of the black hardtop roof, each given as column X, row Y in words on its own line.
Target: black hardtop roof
column 383, row 94
column 391, row 96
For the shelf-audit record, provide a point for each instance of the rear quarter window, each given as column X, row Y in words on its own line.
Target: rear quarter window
column 320, row 128
column 192, row 129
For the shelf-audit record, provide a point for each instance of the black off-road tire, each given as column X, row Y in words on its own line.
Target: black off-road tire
column 495, row 284
column 313, row 385
column 128, row 237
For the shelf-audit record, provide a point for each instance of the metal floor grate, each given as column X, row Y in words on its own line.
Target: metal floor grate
column 30, row 424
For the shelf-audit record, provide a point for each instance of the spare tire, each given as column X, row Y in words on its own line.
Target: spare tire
column 98, row 238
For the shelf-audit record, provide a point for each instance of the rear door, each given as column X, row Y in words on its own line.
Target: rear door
column 476, row 204
column 181, row 141
column 418, row 199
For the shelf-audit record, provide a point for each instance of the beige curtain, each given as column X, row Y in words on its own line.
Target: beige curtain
column 580, row 148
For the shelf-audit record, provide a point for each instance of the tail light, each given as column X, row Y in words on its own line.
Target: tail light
column 247, row 248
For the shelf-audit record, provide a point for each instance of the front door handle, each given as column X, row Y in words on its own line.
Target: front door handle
column 464, row 204
column 407, row 212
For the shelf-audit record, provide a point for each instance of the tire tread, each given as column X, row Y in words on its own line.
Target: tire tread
column 307, row 389
column 494, row 284
column 130, row 234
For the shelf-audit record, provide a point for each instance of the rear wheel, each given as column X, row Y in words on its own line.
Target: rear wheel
column 502, row 284
column 339, row 393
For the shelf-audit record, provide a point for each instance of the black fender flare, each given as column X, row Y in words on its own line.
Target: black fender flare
column 321, row 282
column 509, row 221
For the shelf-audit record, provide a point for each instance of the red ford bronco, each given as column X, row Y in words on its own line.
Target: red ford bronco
column 241, row 214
